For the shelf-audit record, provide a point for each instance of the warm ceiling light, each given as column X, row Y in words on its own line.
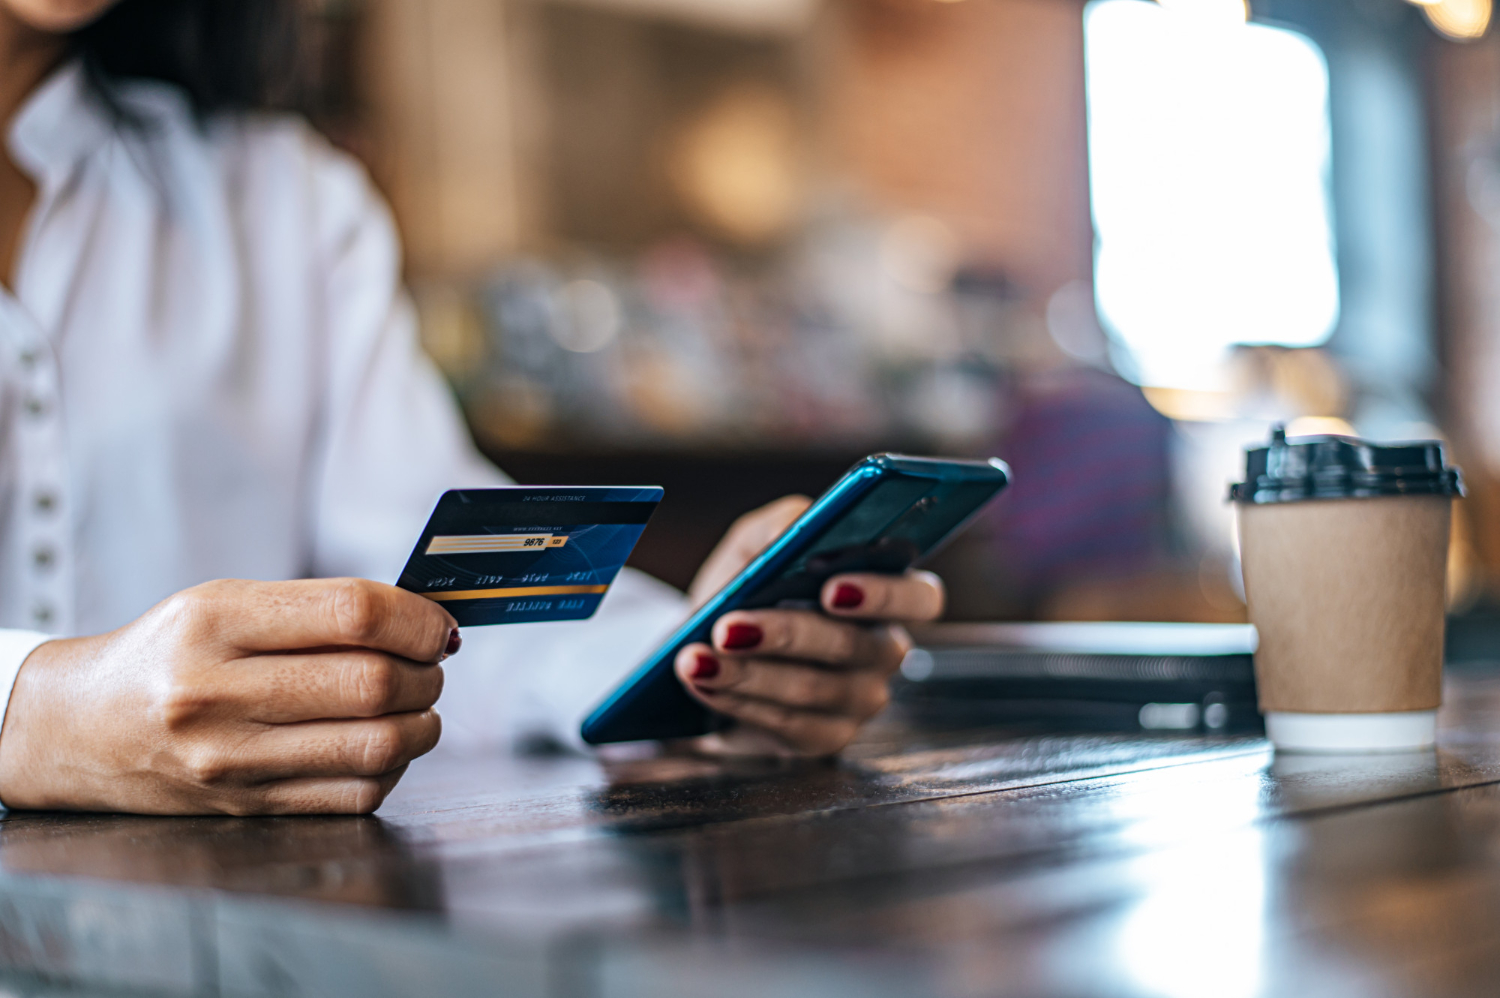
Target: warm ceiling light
column 735, row 164
column 1459, row 19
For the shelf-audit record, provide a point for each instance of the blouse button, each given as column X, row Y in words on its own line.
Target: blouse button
column 43, row 557
column 42, row 614
column 36, row 406
column 46, row 502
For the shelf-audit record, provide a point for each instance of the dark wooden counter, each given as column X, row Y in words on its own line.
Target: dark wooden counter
column 944, row 863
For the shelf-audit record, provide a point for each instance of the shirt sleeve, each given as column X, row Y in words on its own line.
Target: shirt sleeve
column 393, row 438
column 395, row 441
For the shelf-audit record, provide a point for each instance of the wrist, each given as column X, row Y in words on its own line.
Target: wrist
column 32, row 731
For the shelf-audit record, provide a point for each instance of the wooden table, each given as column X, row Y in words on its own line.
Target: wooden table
column 943, row 863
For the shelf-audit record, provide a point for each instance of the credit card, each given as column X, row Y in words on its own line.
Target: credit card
column 523, row 554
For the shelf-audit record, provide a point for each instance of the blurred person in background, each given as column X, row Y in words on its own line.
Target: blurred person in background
column 1085, row 532
column 1093, row 488
column 209, row 371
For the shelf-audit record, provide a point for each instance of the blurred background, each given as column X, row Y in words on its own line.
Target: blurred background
column 730, row 246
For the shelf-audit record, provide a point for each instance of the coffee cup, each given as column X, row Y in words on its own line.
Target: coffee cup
column 1344, row 547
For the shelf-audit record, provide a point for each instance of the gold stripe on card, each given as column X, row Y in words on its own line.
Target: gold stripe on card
column 487, row 543
column 459, row 594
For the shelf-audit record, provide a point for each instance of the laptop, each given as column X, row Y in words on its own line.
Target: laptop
column 1109, row 675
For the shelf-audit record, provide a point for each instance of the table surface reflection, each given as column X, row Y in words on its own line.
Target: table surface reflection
column 924, row 862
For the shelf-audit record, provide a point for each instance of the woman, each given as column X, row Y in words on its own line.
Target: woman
column 210, row 371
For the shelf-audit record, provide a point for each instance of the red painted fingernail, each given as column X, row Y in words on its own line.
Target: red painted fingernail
column 741, row 636
column 847, row 597
column 455, row 642
column 706, row 666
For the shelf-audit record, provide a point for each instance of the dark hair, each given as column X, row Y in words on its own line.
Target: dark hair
column 227, row 55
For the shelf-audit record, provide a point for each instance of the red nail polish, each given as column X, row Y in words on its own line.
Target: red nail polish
column 738, row 637
column 847, row 597
column 706, row 666
column 455, row 642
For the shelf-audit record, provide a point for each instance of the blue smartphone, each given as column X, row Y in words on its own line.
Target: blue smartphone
column 888, row 512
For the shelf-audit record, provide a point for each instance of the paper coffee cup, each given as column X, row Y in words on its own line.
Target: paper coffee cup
column 1344, row 547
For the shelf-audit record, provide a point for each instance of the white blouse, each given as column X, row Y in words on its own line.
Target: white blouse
column 208, row 369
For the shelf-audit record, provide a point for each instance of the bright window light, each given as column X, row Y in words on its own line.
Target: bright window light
column 1209, row 170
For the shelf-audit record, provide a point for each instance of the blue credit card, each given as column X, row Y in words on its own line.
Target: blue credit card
column 523, row 554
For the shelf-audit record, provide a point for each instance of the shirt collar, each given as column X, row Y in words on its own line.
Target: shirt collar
column 58, row 125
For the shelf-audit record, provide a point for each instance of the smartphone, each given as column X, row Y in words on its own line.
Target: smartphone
column 886, row 514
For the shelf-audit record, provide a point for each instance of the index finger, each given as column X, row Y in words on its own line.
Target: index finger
column 322, row 613
column 915, row 596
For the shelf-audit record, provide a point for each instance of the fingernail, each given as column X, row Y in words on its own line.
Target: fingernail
column 705, row 667
column 741, row 636
column 847, row 596
column 455, row 642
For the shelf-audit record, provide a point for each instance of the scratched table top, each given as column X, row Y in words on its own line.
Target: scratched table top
column 926, row 861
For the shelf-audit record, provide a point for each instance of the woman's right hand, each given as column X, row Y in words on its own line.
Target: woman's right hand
column 234, row 698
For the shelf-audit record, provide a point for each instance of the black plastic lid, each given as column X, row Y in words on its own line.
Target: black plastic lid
column 1344, row 468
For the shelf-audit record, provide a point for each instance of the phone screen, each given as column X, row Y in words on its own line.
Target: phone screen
column 889, row 530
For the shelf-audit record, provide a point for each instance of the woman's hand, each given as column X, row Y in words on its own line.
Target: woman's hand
column 232, row 697
column 799, row 682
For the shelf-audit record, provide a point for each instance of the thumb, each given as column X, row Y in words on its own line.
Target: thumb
column 747, row 537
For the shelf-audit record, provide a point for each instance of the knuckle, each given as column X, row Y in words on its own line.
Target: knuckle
column 788, row 721
column 774, row 633
column 872, row 699
column 819, row 691
column 902, row 641
column 424, row 736
column 183, row 704
column 363, row 796
column 838, row 734
column 886, row 649
column 808, row 688
column 372, row 684
column 774, row 717
column 209, row 766
column 179, row 710
column 848, row 643
column 796, row 631
column 780, row 633
column 822, row 737
column 378, row 749
column 733, row 674
column 878, row 596
column 190, row 613
column 356, row 608
column 181, row 606
column 241, row 806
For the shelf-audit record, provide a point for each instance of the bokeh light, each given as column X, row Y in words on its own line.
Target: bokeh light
column 1459, row 19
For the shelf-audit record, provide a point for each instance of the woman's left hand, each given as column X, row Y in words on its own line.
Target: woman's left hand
column 800, row 682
